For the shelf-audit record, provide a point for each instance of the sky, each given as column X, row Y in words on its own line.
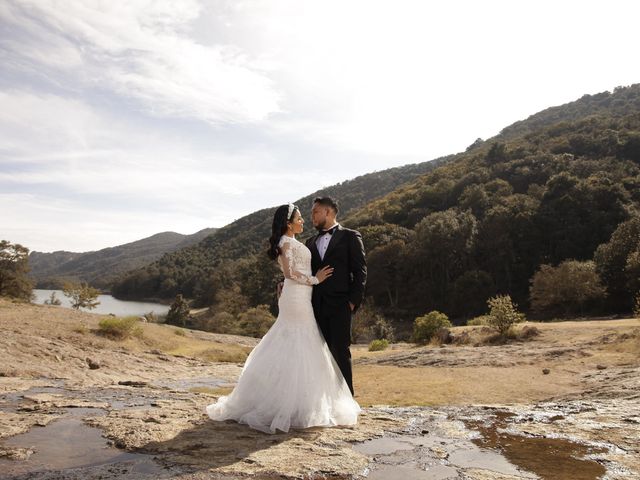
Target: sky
column 124, row 118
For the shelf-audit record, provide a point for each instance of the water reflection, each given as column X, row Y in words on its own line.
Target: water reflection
column 108, row 304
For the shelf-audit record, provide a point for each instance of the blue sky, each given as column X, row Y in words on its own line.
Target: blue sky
column 122, row 119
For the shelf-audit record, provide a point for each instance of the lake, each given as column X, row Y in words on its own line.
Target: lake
column 108, row 304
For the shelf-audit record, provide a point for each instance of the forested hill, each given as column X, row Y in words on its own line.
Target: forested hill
column 562, row 185
column 566, row 188
column 187, row 271
column 623, row 101
column 100, row 267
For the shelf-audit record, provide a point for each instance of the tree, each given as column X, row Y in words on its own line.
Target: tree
column 384, row 273
column 503, row 314
column 81, row 295
column 178, row 312
column 497, row 153
column 615, row 263
column 567, row 287
column 470, row 292
column 440, row 253
column 14, row 266
column 259, row 276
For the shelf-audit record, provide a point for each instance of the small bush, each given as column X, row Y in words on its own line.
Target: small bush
column 377, row 345
column 255, row 322
column 370, row 324
column 528, row 332
column 81, row 329
column 222, row 322
column 479, row 321
column 427, row 326
column 441, row 337
column 120, row 328
column 503, row 314
column 53, row 300
column 179, row 332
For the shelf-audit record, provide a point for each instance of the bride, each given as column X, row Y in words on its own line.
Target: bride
column 290, row 379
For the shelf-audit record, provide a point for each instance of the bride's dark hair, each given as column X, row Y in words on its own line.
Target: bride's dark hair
column 279, row 228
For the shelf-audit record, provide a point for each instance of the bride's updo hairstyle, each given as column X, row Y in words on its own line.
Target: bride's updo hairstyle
column 279, row 228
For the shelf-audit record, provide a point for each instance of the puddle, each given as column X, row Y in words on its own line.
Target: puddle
column 485, row 459
column 383, row 446
column 69, row 443
column 549, row 458
column 119, row 399
column 187, row 383
column 13, row 401
column 431, row 457
column 402, row 472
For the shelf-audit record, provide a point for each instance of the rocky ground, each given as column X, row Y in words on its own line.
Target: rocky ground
column 76, row 405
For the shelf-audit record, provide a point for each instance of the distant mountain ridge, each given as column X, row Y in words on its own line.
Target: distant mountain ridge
column 100, row 267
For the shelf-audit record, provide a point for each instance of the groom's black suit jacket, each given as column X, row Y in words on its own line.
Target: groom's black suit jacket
column 345, row 253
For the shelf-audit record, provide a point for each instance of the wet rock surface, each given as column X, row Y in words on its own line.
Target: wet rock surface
column 140, row 415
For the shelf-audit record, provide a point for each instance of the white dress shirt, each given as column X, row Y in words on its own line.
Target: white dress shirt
column 322, row 242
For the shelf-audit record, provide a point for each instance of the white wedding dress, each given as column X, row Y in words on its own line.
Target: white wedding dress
column 290, row 379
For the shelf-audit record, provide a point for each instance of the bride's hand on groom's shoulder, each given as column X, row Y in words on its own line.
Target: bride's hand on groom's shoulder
column 324, row 273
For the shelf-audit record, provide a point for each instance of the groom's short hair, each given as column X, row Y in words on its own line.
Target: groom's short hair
column 327, row 202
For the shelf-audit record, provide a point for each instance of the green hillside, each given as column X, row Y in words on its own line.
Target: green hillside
column 552, row 188
column 99, row 268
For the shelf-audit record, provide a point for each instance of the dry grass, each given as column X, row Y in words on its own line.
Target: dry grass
column 611, row 342
column 165, row 339
column 391, row 385
column 75, row 326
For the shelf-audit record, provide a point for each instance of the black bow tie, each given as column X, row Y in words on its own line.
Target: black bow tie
column 330, row 231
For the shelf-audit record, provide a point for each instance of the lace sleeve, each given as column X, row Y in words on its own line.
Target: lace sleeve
column 289, row 267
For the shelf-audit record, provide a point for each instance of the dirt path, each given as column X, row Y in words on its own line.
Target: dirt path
column 134, row 409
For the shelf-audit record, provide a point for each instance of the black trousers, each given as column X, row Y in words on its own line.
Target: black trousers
column 334, row 321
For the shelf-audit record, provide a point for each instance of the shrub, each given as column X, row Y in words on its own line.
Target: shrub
column 120, row 328
column 479, row 321
column 370, row 324
column 179, row 332
column 255, row 322
column 425, row 327
column 222, row 322
column 81, row 329
column 503, row 314
column 377, row 345
column 53, row 300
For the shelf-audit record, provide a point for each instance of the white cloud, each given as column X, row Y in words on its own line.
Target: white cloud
column 139, row 49
column 120, row 119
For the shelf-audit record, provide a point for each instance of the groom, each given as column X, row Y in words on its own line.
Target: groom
column 338, row 297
